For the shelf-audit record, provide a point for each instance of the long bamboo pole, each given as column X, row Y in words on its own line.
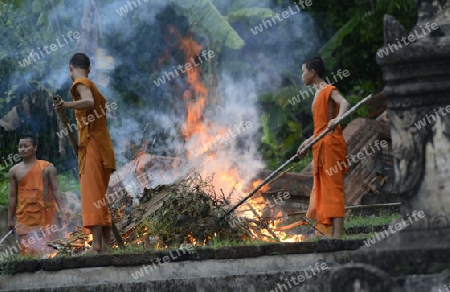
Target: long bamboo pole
column 6, row 236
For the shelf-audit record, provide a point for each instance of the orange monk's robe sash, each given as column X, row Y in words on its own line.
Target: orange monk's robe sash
column 329, row 161
column 32, row 212
column 93, row 123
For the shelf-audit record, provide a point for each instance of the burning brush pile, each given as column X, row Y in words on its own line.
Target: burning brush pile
column 188, row 211
column 190, row 214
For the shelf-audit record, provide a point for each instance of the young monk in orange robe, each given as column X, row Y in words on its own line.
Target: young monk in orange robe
column 33, row 195
column 96, row 159
column 327, row 204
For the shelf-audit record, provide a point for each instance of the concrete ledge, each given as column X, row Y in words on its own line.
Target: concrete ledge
column 209, row 270
column 207, row 275
column 290, row 248
column 226, row 252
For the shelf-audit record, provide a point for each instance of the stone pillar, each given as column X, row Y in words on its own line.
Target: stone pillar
column 416, row 67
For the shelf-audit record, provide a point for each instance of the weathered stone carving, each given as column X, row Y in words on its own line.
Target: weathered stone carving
column 362, row 278
column 416, row 70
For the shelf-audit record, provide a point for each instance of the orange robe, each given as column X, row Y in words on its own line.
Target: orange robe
column 327, row 196
column 95, row 158
column 35, row 217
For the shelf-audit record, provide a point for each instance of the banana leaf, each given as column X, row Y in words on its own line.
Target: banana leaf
column 204, row 18
column 260, row 13
column 236, row 5
column 326, row 52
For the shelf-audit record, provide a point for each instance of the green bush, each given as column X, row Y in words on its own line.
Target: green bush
column 4, row 185
column 68, row 183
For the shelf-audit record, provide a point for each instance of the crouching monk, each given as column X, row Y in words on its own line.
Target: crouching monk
column 96, row 159
column 327, row 204
column 33, row 196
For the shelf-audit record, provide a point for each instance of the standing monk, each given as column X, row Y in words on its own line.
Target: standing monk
column 33, row 192
column 327, row 204
column 95, row 153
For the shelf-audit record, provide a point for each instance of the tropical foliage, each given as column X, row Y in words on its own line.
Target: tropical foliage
column 4, row 185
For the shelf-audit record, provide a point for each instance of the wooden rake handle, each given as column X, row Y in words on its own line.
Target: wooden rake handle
column 63, row 118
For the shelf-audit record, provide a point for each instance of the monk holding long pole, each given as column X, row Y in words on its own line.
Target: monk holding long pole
column 327, row 204
column 96, row 159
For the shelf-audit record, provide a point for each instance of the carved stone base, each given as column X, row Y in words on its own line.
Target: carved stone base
column 407, row 252
column 361, row 278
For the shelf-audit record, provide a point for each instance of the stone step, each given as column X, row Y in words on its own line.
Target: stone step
column 325, row 265
column 240, row 268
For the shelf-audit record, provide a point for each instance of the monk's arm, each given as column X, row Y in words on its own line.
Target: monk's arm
column 12, row 198
column 303, row 145
column 85, row 101
column 343, row 107
column 55, row 189
column 341, row 101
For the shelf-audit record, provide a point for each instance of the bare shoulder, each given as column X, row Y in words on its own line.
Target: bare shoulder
column 336, row 96
column 335, row 92
column 81, row 88
column 50, row 169
column 13, row 170
column 12, row 173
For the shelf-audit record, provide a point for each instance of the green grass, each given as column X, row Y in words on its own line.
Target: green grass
column 215, row 243
column 129, row 248
column 8, row 264
column 358, row 236
column 383, row 219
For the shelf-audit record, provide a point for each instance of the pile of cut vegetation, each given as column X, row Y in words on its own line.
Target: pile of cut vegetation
column 189, row 213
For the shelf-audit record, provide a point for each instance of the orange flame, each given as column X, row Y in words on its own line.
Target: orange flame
column 51, row 255
column 88, row 239
column 194, row 97
column 196, row 100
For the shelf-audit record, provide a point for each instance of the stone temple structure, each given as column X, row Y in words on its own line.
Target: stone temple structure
column 418, row 94
column 416, row 67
